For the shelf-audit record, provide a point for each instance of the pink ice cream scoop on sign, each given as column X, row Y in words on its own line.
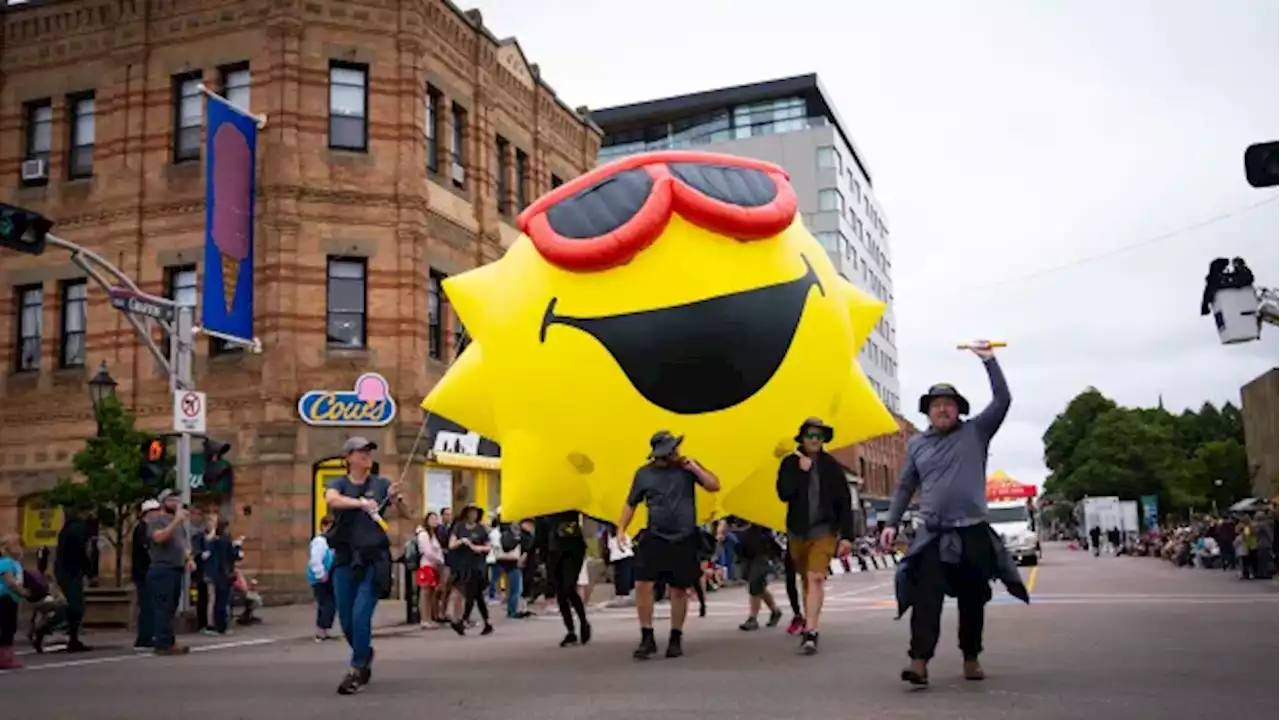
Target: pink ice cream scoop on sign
column 371, row 389
column 231, row 186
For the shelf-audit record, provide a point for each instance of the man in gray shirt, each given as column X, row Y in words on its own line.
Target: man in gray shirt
column 167, row 544
column 955, row 552
column 668, row 549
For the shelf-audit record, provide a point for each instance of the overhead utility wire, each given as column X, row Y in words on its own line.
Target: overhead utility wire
column 1116, row 251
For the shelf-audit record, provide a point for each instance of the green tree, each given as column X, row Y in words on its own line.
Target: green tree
column 1096, row 448
column 1125, row 452
column 1220, row 472
column 1067, row 431
column 109, row 480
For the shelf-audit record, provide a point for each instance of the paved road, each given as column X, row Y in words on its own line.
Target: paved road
column 1104, row 638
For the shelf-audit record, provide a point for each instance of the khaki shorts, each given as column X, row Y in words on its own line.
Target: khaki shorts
column 813, row 556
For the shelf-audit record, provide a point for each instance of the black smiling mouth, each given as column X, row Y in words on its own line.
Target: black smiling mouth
column 702, row 356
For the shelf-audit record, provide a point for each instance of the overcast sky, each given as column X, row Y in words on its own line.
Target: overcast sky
column 1003, row 139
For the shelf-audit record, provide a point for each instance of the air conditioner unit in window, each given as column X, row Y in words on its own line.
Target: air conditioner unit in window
column 459, row 173
column 35, row 169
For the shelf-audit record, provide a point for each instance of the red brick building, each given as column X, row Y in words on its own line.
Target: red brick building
column 402, row 137
column 875, row 466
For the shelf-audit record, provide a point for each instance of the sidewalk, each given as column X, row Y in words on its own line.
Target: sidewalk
column 280, row 622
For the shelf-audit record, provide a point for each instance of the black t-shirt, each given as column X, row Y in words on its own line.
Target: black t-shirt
column 464, row 558
column 669, row 494
column 566, row 532
column 140, row 555
column 755, row 541
column 354, row 530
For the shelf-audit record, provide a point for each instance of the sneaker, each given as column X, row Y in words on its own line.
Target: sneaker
column 796, row 626
column 647, row 649
column 77, row 647
column 775, row 617
column 208, row 631
column 172, row 650
column 585, row 633
column 674, row 648
column 569, row 639
column 488, row 629
column 809, row 645
column 143, row 647
column 458, row 627
column 750, row 624
column 350, row 684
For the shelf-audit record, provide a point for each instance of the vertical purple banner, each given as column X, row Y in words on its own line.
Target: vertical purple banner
column 231, row 141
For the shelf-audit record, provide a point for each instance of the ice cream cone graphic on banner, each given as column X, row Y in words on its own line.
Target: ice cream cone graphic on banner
column 232, row 224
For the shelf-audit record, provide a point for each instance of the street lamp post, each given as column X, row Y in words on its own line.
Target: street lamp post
column 101, row 388
column 1217, row 490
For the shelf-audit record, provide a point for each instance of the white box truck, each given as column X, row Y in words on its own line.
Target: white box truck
column 1011, row 519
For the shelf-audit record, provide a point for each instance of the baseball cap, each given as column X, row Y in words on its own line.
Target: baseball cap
column 358, row 443
column 149, row 505
column 165, row 495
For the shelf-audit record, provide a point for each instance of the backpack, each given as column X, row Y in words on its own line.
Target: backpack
column 509, row 540
column 412, row 555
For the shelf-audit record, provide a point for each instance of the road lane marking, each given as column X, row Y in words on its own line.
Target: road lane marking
column 1031, row 581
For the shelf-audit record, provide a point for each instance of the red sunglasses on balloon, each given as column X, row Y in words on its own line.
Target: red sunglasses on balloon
column 606, row 217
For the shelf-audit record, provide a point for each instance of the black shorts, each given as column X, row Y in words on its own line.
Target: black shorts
column 757, row 574
column 675, row 563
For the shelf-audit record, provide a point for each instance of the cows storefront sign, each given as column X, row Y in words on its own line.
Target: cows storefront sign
column 368, row 404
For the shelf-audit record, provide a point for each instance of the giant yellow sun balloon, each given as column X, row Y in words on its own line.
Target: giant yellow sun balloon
column 664, row 291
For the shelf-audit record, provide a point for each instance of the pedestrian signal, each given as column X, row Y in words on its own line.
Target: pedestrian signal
column 154, row 469
column 23, row 230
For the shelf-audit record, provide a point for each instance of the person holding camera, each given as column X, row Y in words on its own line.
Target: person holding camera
column 168, row 545
column 668, row 548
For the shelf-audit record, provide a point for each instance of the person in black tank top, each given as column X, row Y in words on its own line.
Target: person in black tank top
column 567, row 550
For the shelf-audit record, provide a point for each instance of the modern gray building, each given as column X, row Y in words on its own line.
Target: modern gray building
column 790, row 122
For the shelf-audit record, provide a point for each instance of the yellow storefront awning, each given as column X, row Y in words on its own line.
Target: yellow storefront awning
column 469, row 462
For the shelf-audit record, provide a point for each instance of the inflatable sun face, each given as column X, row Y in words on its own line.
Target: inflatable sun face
column 674, row 291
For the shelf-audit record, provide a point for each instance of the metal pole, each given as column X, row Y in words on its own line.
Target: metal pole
column 180, row 350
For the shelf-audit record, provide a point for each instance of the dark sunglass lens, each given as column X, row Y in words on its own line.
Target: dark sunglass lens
column 601, row 208
column 743, row 187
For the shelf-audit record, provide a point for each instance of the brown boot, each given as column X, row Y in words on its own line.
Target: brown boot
column 173, row 650
column 973, row 671
column 916, row 673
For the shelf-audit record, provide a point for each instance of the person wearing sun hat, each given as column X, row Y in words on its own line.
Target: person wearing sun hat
column 815, row 490
column 668, row 548
column 955, row 552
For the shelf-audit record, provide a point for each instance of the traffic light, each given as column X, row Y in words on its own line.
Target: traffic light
column 218, row 473
column 154, row 469
column 1260, row 164
column 23, row 230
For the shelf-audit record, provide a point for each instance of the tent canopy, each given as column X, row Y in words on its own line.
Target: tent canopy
column 1002, row 487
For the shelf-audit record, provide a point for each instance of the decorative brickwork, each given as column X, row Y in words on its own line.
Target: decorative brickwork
column 146, row 213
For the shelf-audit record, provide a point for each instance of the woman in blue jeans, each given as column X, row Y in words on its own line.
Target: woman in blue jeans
column 362, row 553
column 219, row 569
